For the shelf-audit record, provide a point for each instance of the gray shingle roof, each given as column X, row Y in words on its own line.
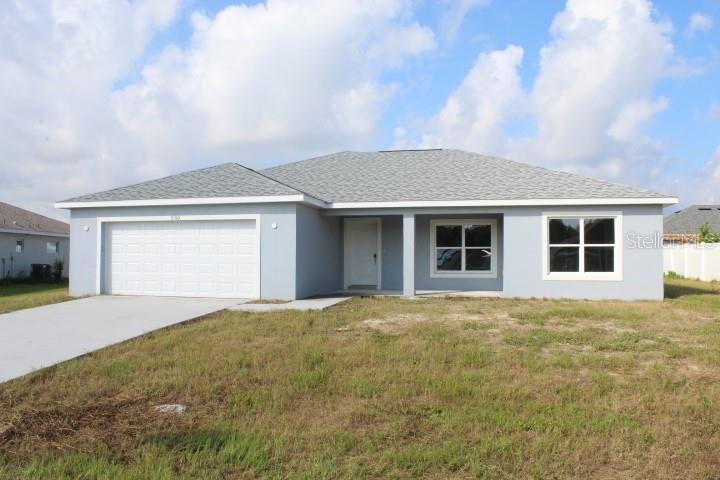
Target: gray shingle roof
column 689, row 219
column 226, row 180
column 404, row 175
column 16, row 218
column 427, row 175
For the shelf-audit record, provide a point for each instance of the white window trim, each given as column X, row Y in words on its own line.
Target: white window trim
column 21, row 245
column 346, row 249
column 617, row 275
column 57, row 248
column 492, row 273
column 101, row 267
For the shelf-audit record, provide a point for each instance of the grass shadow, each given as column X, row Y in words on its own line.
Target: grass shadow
column 676, row 288
column 14, row 287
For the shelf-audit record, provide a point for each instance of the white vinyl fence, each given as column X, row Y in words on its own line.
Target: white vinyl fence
column 701, row 261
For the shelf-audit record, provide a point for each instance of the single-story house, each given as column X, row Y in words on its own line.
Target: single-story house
column 27, row 238
column 683, row 226
column 409, row 222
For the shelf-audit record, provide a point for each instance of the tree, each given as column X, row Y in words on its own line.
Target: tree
column 707, row 235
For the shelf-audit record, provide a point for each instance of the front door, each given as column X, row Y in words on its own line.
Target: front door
column 362, row 252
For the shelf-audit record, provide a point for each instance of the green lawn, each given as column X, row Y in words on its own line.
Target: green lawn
column 386, row 387
column 16, row 296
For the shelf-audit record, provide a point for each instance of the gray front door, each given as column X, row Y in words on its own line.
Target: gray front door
column 362, row 252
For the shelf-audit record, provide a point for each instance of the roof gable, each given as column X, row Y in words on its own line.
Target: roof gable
column 16, row 218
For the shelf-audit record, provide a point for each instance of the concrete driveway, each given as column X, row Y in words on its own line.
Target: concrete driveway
column 39, row 337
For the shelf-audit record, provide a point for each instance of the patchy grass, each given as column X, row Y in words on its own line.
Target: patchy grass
column 16, row 296
column 386, row 387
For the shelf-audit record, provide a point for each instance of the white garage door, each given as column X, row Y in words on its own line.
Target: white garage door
column 187, row 259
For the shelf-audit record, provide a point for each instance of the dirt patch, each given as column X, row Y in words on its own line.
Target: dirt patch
column 474, row 317
column 570, row 348
column 393, row 325
column 698, row 370
column 613, row 328
column 60, row 427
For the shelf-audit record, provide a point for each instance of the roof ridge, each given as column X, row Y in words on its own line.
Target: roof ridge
column 280, row 183
column 317, row 157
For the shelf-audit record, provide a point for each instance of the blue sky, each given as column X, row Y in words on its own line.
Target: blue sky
column 104, row 94
column 688, row 128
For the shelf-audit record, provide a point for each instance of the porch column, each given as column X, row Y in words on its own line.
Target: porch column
column 408, row 254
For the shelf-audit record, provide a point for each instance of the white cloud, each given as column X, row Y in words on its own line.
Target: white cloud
column 715, row 110
column 629, row 122
column 256, row 84
column 713, row 169
column 475, row 113
column 700, row 22
column 274, row 78
column 588, row 104
column 59, row 61
column 703, row 185
column 454, row 16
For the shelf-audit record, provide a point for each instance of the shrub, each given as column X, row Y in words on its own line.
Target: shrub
column 707, row 235
column 57, row 269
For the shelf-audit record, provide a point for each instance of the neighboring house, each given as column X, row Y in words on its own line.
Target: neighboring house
column 683, row 226
column 27, row 238
column 408, row 221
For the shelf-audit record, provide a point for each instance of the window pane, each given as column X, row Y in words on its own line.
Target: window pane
column 600, row 230
column 448, row 236
column 477, row 259
column 477, row 236
column 564, row 230
column 599, row 259
column 19, row 246
column 564, row 259
column 448, row 259
column 51, row 247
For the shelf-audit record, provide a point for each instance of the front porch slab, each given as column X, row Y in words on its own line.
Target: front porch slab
column 320, row 303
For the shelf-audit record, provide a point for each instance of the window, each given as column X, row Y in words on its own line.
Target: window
column 52, row 247
column 19, row 246
column 463, row 248
column 583, row 247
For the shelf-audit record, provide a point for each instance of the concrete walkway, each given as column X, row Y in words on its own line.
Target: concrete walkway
column 39, row 337
column 306, row 304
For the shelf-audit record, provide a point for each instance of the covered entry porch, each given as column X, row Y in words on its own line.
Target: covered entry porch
column 421, row 253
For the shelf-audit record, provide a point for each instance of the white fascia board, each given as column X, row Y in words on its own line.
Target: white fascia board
column 307, row 199
column 665, row 201
column 40, row 234
column 300, row 198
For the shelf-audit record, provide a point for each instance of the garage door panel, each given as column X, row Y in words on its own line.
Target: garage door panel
column 198, row 258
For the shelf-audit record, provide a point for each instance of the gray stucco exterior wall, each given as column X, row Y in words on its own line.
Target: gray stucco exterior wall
column 642, row 266
column 319, row 262
column 35, row 251
column 423, row 280
column 303, row 256
column 519, row 250
column 277, row 246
